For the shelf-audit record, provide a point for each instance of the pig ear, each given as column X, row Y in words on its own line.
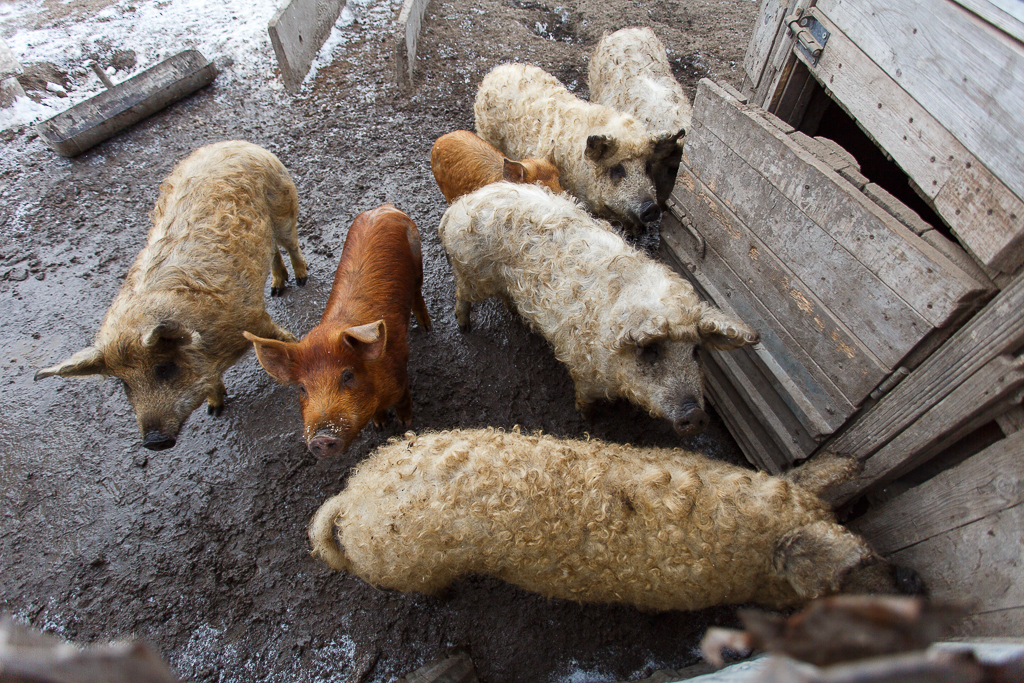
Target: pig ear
column 367, row 340
column 600, row 146
column 643, row 333
column 88, row 361
column 169, row 332
column 513, row 171
column 721, row 332
column 666, row 144
column 275, row 357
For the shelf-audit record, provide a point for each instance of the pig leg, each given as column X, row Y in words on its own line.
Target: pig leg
column 268, row 329
column 287, row 236
column 215, row 398
column 419, row 308
column 404, row 409
column 380, row 418
column 278, row 274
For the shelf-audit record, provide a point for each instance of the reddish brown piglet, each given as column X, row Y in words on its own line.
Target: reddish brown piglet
column 462, row 163
column 352, row 366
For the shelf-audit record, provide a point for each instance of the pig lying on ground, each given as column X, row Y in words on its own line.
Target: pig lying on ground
column 177, row 323
column 587, row 521
column 352, row 366
column 462, row 163
column 626, row 325
column 603, row 156
column 629, row 72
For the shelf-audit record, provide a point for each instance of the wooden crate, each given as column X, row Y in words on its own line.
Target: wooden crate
column 841, row 291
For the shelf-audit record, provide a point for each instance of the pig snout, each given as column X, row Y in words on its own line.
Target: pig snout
column 326, row 444
column 157, row 441
column 650, row 214
column 690, row 420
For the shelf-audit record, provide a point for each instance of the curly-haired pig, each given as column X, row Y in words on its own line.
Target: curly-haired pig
column 351, row 367
column 629, row 72
column 661, row 529
column 176, row 325
column 462, row 163
column 604, row 157
column 624, row 324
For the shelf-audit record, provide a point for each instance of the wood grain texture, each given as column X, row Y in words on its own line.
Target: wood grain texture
column 933, row 287
column 987, row 482
column 996, row 329
column 980, row 562
column 762, row 39
column 964, row 72
column 831, row 367
column 976, row 204
column 976, row 401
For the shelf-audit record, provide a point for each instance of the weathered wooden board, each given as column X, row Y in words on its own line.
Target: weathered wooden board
column 967, row 74
column 997, row 329
column 781, row 61
column 830, row 365
column 762, row 39
column 969, row 405
column 997, row 623
column 761, row 447
column 977, row 205
column 1007, row 15
column 982, row 561
column 933, row 287
column 985, row 483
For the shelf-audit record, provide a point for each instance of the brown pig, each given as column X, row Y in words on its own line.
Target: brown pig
column 176, row 325
column 352, row 366
column 463, row 162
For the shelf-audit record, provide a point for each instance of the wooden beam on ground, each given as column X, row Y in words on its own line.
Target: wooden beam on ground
column 297, row 31
column 997, row 329
column 979, row 399
column 985, row 483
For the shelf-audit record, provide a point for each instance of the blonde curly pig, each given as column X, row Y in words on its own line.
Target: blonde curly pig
column 661, row 529
column 624, row 324
column 629, row 72
column 602, row 155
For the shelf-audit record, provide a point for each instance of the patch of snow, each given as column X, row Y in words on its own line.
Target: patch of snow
column 577, row 674
column 23, row 111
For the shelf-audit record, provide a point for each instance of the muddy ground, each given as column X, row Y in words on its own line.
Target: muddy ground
column 201, row 550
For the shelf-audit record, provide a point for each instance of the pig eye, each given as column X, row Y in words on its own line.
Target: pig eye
column 617, row 172
column 347, row 377
column 302, row 390
column 165, row 371
column 648, row 354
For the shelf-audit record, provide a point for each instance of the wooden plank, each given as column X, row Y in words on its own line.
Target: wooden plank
column 981, row 562
column 997, row 329
column 978, row 400
column 780, row 63
column 831, row 366
column 990, row 222
column 876, row 315
column 932, row 286
column 1012, row 421
column 987, row 482
column 967, row 74
column 1006, row 15
column 762, row 39
column 997, row 623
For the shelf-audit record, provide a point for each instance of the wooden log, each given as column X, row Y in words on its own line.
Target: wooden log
column 975, row 203
column 981, row 562
column 831, row 367
column 964, row 72
column 809, row 205
column 997, row 329
column 985, row 483
column 969, row 405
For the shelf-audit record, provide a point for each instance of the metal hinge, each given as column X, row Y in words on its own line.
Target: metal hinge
column 811, row 36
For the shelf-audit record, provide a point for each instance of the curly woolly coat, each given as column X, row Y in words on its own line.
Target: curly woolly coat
column 629, row 72
column 602, row 155
column 176, row 325
column 597, row 300
column 587, row 521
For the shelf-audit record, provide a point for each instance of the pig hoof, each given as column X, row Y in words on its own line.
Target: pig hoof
column 214, row 410
column 301, row 281
column 276, row 291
